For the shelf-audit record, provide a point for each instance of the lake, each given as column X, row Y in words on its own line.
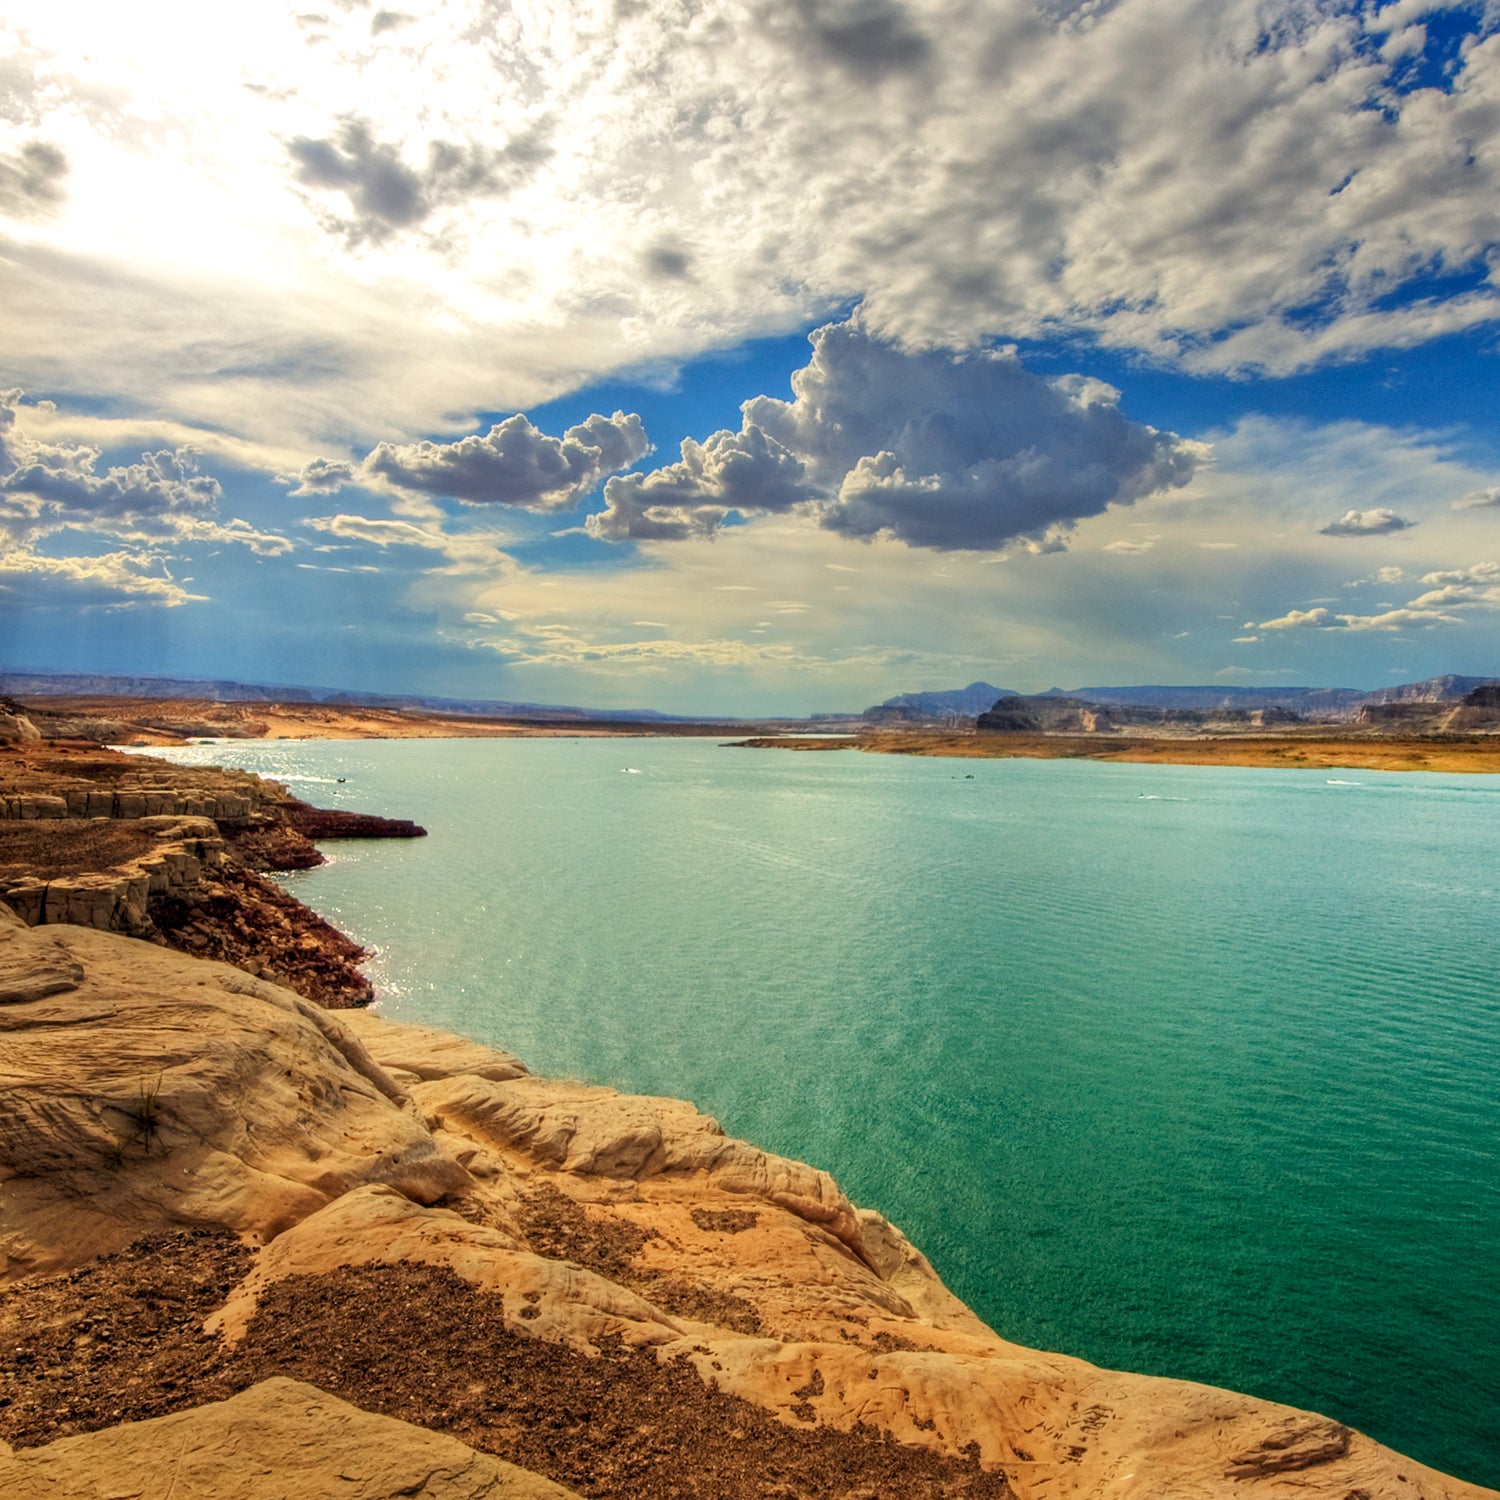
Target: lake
column 1186, row 1070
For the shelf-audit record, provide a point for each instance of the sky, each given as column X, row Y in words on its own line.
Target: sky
column 750, row 356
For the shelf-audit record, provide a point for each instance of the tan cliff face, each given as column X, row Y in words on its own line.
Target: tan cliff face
column 633, row 1301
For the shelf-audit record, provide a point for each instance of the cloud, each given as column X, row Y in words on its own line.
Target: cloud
column 54, row 489
column 1379, row 522
column 378, row 533
column 744, row 471
column 31, row 180
column 385, row 194
column 1398, row 619
column 65, row 481
column 389, row 20
column 555, row 644
column 1302, row 619
column 1485, row 572
column 1487, row 498
column 112, row 580
column 182, row 529
column 45, row 484
column 1023, row 625
column 951, row 452
column 515, row 463
column 1016, row 170
column 1451, row 588
column 1412, row 617
column 323, row 476
column 558, row 644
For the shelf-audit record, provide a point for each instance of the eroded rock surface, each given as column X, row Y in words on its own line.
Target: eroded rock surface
column 423, row 1212
column 144, row 1089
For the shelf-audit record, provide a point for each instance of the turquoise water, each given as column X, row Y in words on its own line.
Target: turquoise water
column 1184, row 1070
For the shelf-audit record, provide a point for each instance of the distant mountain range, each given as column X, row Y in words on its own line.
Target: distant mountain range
column 947, row 704
column 1307, row 702
column 98, row 685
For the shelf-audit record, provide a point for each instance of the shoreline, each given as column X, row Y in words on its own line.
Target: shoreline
column 177, row 856
column 1469, row 755
column 156, row 723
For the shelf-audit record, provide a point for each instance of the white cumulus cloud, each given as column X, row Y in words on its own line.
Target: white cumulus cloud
column 514, row 463
column 951, row 452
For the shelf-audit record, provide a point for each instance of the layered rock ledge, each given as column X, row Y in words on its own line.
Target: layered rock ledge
column 215, row 1195
column 176, row 855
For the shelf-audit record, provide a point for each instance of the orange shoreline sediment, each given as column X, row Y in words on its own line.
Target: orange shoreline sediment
column 1287, row 752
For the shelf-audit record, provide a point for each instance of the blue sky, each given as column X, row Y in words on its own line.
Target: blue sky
column 717, row 357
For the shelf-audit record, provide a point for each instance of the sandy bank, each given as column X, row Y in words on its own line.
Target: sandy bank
column 174, row 721
column 161, row 722
column 1291, row 752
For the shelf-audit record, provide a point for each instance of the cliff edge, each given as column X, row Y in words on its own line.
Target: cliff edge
column 215, row 1195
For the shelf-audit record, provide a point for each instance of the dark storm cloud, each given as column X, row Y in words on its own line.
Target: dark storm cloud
column 31, row 180
column 515, row 463
column 943, row 451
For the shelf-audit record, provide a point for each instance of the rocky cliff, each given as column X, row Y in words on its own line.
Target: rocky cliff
column 1056, row 714
column 175, row 855
column 239, row 1233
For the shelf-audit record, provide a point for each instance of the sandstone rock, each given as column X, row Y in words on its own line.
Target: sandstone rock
column 33, row 971
column 156, row 855
column 378, row 1226
column 157, row 1090
column 597, row 1132
column 425, row 1052
column 16, row 729
column 280, row 1438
